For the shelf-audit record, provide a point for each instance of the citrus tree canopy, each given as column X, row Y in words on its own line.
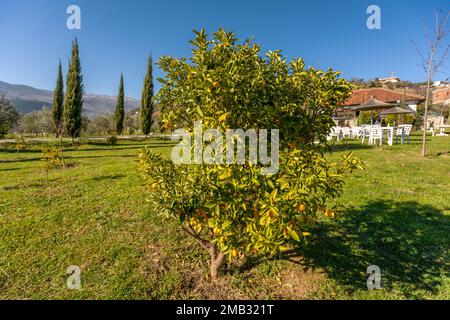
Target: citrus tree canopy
column 232, row 209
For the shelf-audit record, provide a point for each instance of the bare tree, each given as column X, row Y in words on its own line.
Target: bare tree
column 432, row 60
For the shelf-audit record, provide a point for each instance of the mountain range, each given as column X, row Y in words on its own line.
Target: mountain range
column 27, row 99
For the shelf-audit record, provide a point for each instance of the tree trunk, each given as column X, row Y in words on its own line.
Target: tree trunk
column 216, row 256
column 425, row 120
column 216, row 261
column 62, row 153
column 427, row 101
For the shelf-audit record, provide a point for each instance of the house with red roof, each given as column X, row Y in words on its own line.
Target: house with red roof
column 360, row 96
column 346, row 115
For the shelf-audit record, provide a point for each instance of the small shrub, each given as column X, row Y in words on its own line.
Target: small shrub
column 112, row 140
column 21, row 143
column 51, row 159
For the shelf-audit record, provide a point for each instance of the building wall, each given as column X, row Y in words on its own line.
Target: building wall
column 435, row 120
column 441, row 95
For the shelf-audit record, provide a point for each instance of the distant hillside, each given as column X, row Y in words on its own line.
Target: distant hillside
column 27, row 99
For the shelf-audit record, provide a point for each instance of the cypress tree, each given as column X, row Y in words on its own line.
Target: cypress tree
column 58, row 102
column 119, row 114
column 58, row 110
column 73, row 102
column 147, row 99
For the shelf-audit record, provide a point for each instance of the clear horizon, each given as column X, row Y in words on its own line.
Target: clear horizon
column 117, row 37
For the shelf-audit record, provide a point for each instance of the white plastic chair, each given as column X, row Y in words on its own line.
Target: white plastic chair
column 346, row 132
column 375, row 133
column 365, row 132
column 355, row 132
column 335, row 132
column 404, row 127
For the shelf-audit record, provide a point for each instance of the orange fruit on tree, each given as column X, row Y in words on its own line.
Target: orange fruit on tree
column 329, row 213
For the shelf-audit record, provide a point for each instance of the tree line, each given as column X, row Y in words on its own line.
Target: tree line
column 67, row 108
column 65, row 118
column 41, row 123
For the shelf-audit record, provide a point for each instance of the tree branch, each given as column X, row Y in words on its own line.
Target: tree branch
column 204, row 243
column 424, row 61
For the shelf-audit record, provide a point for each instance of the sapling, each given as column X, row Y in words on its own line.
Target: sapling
column 51, row 159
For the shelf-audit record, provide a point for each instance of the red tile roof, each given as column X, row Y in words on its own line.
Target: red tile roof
column 386, row 95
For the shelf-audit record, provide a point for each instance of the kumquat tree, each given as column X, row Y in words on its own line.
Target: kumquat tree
column 234, row 209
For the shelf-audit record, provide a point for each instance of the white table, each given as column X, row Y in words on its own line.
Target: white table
column 390, row 134
column 442, row 128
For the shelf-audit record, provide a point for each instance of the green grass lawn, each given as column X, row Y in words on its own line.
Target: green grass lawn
column 94, row 214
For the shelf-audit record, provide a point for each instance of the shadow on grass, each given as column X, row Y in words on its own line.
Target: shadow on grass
column 407, row 240
column 107, row 148
column 21, row 152
column 412, row 140
column 103, row 146
column 119, row 147
column 350, row 145
column 129, row 143
column 105, row 156
column 438, row 154
column 20, row 160
column 108, row 177
column 67, row 157
column 346, row 146
column 9, row 169
column 21, row 186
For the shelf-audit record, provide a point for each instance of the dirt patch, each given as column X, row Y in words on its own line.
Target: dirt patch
column 278, row 280
column 297, row 283
column 293, row 281
column 201, row 287
column 153, row 257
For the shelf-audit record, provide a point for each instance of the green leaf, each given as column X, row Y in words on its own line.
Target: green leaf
column 293, row 234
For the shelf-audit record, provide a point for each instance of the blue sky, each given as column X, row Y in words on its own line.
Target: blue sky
column 116, row 36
